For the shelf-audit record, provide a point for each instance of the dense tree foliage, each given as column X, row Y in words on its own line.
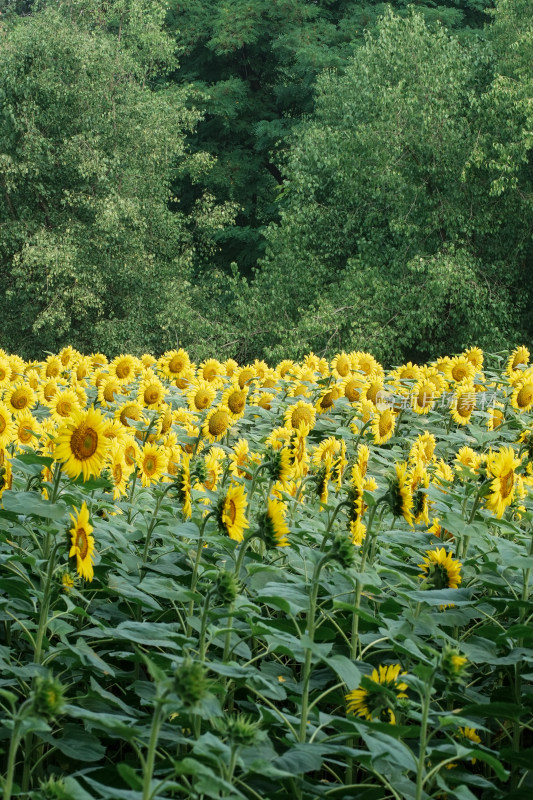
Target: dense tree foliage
column 386, row 236
column 90, row 252
column 255, row 65
column 259, row 179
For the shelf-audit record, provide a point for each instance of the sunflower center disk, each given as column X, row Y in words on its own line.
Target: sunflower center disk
column 506, row 484
column 81, row 542
column 84, row 442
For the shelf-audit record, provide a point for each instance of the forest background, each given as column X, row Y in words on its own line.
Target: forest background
column 261, row 178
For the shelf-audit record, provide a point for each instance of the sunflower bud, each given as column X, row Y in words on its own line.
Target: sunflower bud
column 228, row 587
column 47, row 697
column 199, row 470
column 453, row 665
column 191, row 683
column 240, row 729
column 279, row 464
column 343, row 551
column 54, row 789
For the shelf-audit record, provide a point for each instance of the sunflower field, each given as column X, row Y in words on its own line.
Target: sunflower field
column 224, row 581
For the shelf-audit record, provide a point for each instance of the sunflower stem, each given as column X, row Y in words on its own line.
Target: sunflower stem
column 306, row 675
column 132, row 491
column 152, row 745
column 203, row 627
column 342, row 504
column 37, row 652
column 57, row 478
column 363, row 429
column 421, row 768
column 153, row 522
column 244, row 546
column 194, row 577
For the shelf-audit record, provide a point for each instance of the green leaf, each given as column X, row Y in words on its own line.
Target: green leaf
column 345, row 669
column 30, row 503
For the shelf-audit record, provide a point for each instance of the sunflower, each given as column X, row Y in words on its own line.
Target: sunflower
column 301, row 413
column 27, row 431
column 460, row 369
column 47, row 390
column 286, row 368
column 352, row 387
column 263, row 400
column 357, row 532
column 148, row 360
column 363, row 455
column 497, row 415
column 278, row 438
column 440, row 570
column 200, row 396
column 230, row 367
column 52, row 367
column 152, row 463
column 382, row 425
column 298, row 452
column 7, row 426
column 299, row 390
column 5, row 372
column 239, row 458
column 63, row 404
column 151, row 391
column 235, row 399
column 213, row 470
column 463, row 404
column 501, row 468
column 273, row 528
column 419, row 479
column 379, row 696
column 327, row 448
column 82, row 369
column 423, row 448
column 82, row 543
column 211, row 370
column 518, row 358
column 433, row 376
column 467, row 457
column 270, row 380
column 424, row 396
column 323, row 477
column 279, row 465
column 81, row 444
column 6, row 476
column 183, row 484
column 327, row 398
column 119, row 470
column 475, row 356
column 186, row 379
column 399, row 494
column 522, row 396
column 124, row 368
column 231, row 512
column 98, row 360
column 129, row 412
column 405, row 374
column 366, row 363
column 217, row 423
column 174, row 363
column 341, row 366
column 443, row 472
column 20, row 397
column 373, row 389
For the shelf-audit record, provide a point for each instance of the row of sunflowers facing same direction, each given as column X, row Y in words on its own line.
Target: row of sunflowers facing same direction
column 147, row 422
